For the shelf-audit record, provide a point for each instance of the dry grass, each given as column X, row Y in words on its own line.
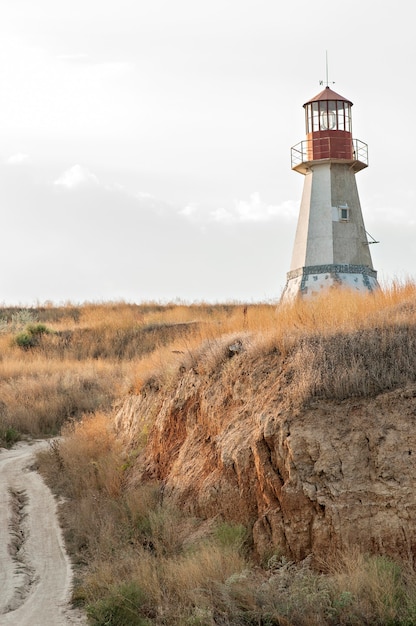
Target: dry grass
column 104, row 516
column 337, row 346
column 375, row 588
column 37, row 395
column 133, row 547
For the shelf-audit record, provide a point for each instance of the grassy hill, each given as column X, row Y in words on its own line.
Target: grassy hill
column 141, row 557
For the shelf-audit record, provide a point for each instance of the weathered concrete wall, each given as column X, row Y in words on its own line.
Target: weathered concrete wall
column 322, row 237
column 313, row 241
column 327, row 238
column 349, row 237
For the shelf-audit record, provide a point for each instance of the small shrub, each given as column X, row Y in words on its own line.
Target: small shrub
column 9, row 436
column 376, row 589
column 200, row 617
column 25, row 340
column 4, row 327
column 121, row 607
column 21, row 318
column 231, row 535
column 37, row 329
column 29, row 338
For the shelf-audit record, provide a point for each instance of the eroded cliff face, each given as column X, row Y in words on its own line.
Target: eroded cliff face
column 307, row 477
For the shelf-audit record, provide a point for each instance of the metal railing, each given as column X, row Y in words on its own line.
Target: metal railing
column 303, row 151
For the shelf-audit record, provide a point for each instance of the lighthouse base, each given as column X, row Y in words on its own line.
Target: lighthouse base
column 315, row 279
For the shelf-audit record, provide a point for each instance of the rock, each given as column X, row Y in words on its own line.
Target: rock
column 308, row 479
column 235, row 348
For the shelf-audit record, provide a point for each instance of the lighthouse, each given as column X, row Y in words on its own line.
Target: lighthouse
column 331, row 245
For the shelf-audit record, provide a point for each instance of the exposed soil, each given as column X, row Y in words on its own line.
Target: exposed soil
column 35, row 571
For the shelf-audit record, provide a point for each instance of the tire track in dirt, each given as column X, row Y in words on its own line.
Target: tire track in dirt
column 24, row 575
column 35, row 571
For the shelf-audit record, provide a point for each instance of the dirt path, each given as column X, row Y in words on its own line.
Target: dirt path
column 35, row 572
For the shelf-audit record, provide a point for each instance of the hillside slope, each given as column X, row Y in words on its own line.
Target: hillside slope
column 311, row 442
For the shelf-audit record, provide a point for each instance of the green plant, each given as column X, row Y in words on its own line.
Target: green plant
column 29, row 338
column 373, row 588
column 25, row 340
column 9, row 436
column 231, row 535
column 37, row 329
column 121, row 607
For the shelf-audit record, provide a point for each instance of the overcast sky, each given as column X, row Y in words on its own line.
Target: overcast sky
column 145, row 144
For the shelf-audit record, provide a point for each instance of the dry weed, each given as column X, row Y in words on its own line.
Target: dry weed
column 334, row 346
column 375, row 589
column 91, row 456
column 37, row 397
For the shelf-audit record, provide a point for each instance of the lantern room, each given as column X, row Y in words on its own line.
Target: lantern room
column 328, row 111
column 328, row 123
column 328, row 126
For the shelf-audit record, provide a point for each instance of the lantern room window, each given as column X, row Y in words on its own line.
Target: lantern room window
column 328, row 115
column 341, row 115
column 328, row 119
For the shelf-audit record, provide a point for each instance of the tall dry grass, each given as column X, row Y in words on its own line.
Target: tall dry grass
column 94, row 353
column 139, row 559
column 104, row 515
column 335, row 346
column 38, row 395
column 85, row 360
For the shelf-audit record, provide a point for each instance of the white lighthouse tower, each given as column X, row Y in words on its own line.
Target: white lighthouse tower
column 331, row 245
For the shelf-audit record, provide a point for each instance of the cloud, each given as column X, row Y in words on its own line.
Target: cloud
column 96, row 67
column 396, row 214
column 76, row 176
column 17, row 159
column 243, row 211
column 77, row 57
column 193, row 212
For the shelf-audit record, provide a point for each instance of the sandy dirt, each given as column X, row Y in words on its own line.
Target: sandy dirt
column 35, row 571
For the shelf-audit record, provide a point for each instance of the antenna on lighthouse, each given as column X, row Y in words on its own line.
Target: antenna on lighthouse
column 321, row 82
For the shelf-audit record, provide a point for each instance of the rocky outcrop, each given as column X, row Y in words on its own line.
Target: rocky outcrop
column 308, row 477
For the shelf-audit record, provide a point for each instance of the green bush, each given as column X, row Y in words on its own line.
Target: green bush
column 231, row 535
column 29, row 337
column 9, row 436
column 37, row 329
column 121, row 607
column 25, row 340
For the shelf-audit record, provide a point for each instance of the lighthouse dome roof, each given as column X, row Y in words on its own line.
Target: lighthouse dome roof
column 328, row 94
